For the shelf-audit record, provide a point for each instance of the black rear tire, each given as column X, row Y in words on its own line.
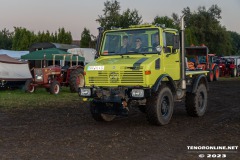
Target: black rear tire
column 234, row 72
column 216, row 73
column 210, row 76
column 160, row 106
column 196, row 103
column 76, row 79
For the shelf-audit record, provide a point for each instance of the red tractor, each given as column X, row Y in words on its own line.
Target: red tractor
column 202, row 60
column 229, row 66
column 232, row 66
column 55, row 76
column 221, row 62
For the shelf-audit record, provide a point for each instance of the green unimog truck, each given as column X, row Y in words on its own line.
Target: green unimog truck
column 150, row 78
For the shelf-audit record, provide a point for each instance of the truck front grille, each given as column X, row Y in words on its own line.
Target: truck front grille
column 120, row 77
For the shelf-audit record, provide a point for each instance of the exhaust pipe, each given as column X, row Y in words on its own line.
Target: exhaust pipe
column 100, row 33
column 183, row 61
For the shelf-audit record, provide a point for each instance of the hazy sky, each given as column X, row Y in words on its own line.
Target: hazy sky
column 74, row 15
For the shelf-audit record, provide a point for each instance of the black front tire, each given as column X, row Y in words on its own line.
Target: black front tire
column 55, row 87
column 160, row 106
column 28, row 88
column 196, row 103
column 97, row 115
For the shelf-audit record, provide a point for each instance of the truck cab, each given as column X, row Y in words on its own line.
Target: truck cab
column 131, row 67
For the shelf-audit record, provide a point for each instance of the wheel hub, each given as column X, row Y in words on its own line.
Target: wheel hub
column 164, row 106
column 200, row 100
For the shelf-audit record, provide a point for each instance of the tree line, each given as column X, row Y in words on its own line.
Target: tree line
column 21, row 38
column 202, row 27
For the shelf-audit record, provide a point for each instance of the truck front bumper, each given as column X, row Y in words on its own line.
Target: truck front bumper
column 124, row 92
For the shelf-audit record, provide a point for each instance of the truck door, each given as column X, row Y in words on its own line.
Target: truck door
column 171, row 58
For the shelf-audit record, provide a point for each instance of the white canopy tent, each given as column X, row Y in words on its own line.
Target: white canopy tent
column 13, row 54
column 87, row 53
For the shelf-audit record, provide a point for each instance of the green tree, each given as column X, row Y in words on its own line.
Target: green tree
column 22, row 38
column 129, row 17
column 235, row 41
column 203, row 27
column 54, row 37
column 44, row 37
column 64, row 37
column 6, row 39
column 169, row 22
column 85, row 38
column 112, row 18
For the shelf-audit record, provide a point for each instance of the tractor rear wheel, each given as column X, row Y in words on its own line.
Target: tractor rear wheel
column 76, row 79
column 210, row 76
column 234, row 72
column 160, row 106
column 55, row 87
column 196, row 103
column 28, row 88
column 216, row 73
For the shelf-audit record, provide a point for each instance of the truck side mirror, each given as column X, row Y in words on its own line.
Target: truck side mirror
column 176, row 42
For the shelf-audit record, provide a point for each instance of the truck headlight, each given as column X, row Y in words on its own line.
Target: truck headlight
column 85, row 92
column 137, row 93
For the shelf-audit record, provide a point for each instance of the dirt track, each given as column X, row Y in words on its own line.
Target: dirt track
column 71, row 133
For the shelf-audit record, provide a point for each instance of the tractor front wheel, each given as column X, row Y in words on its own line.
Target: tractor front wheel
column 28, row 87
column 55, row 87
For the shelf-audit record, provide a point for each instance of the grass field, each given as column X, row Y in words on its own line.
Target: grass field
column 10, row 99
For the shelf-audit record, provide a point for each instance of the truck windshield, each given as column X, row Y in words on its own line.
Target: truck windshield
column 144, row 41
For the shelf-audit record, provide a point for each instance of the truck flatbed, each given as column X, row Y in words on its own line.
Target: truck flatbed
column 190, row 73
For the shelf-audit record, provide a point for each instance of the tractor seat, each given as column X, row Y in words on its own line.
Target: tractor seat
column 65, row 67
